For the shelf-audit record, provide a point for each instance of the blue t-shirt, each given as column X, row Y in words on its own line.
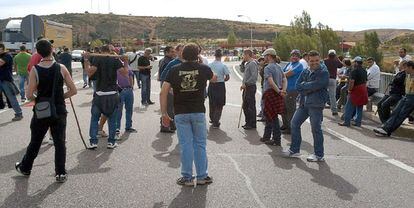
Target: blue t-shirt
column 219, row 69
column 6, row 71
column 275, row 71
column 172, row 63
column 297, row 68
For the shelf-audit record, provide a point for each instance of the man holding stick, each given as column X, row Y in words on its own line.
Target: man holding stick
column 106, row 98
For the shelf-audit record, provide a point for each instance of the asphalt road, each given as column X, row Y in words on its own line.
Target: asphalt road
column 361, row 170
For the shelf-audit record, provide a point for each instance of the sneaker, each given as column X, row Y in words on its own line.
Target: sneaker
column 111, row 145
column 84, row 85
column 150, row 103
column 381, row 132
column 23, row 100
column 17, row 166
column 102, row 133
column 204, row 181
column 93, row 146
column 61, row 178
column 185, row 182
column 343, row 124
column 247, row 127
column 166, row 130
column 273, row 142
column 314, row 158
column 50, row 141
column 131, row 130
column 17, row 118
column 288, row 153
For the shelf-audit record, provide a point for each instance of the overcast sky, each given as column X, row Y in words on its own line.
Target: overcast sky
column 348, row 15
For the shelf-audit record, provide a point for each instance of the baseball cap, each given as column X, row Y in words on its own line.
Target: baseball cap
column 269, row 51
column 332, row 51
column 357, row 59
column 295, row 51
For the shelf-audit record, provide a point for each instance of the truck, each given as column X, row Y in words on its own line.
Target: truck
column 13, row 35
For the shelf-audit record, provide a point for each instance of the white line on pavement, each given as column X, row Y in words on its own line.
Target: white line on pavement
column 247, row 180
column 237, row 73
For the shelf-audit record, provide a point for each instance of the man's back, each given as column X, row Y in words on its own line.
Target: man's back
column 7, row 68
column 22, row 61
column 106, row 72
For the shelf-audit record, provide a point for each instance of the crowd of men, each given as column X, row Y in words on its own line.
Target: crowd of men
column 297, row 91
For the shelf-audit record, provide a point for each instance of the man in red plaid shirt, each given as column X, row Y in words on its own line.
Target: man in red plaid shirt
column 274, row 86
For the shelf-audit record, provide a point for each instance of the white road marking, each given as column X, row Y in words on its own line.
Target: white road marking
column 237, row 73
column 248, row 182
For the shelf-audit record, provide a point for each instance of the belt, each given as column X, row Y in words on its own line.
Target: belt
column 124, row 88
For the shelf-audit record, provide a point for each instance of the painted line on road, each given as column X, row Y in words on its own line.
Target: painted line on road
column 241, row 78
column 372, row 151
column 248, row 182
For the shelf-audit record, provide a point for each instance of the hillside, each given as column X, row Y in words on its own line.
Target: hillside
column 110, row 26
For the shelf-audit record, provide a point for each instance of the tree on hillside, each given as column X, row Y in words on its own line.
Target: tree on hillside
column 327, row 39
column 302, row 24
column 369, row 48
column 231, row 39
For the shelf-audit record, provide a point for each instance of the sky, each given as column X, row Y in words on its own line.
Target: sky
column 350, row 15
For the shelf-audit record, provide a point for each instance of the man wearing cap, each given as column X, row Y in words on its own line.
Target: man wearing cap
column 217, row 90
column 274, row 88
column 332, row 63
column 292, row 72
column 249, row 89
column 357, row 94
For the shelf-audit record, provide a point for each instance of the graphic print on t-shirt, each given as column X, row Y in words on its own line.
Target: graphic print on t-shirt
column 188, row 80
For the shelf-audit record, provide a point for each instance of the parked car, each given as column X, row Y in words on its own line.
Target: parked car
column 77, row 55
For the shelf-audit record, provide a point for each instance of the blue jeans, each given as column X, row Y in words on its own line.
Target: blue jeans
column 93, row 83
column 403, row 110
column 316, row 117
column 137, row 78
column 127, row 99
column 146, row 88
column 332, row 95
column 272, row 127
column 192, row 137
column 93, row 130
column 12, row 98
column 22, row 80
column 85, row 77
column 349, row 113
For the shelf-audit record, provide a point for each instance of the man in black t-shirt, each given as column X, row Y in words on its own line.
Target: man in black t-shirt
column 106, row 98
column 144, row 67
column 188, row 81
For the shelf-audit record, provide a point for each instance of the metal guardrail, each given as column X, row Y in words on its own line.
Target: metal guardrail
column 386, row 79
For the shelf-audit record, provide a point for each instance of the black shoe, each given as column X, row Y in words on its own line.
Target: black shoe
column 166, row 130
column 131, row 130
column 150, row 103
column 61, row 178
column 264, row 139
column 17, row 166
column 261, row 120
column 344, row 124
column 246, row 127
column 273, row 142
column 285, row 131
column 283, row 128
column 204, row 181
column 84, row 85
column 335, row 113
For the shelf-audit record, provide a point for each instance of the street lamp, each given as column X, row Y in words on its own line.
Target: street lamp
column 251, row 29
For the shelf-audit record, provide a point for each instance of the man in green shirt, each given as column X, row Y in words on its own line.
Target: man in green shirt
column 21, row 60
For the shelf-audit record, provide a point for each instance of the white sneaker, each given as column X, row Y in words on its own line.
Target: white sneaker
column 112, row 145
column 288, row 153
column 50, row 141
column 314, row 158
column 93, row 146
column 117, row 135
column 102, row 134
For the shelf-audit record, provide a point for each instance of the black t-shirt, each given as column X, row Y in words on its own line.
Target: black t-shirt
column 144, row 61
column 6, row 73
column 106, row 73
column 189, row 81
column 359, row 75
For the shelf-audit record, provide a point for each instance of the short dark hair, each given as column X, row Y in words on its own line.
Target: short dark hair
column 2, row 46
column 313, row 53
column 22, row 48
column 410, row 64
column 44, row 47
column 66, row 49
column 218, row 53
column 134, row 50
column 347, row 62
column 190, row 52
column 370, row 59
column 248, row 52
column 405, row 50
column 168, row 49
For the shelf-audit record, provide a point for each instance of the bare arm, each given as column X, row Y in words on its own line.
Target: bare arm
column 289, row 73
column 32, row 84
column 273, row 84
column 69, row 83
column 226, row 78
column 131, row 80
column 165, row 89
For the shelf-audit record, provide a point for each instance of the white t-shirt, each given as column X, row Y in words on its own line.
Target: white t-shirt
column 374, row 76
column 304, row 63
column 133, row 65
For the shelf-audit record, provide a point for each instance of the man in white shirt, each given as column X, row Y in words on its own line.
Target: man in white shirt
column 403, row 56
column 304, row 60
column 374, row 76
column 133, row 63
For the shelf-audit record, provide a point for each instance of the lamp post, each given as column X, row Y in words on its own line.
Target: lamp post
column 251, row 29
